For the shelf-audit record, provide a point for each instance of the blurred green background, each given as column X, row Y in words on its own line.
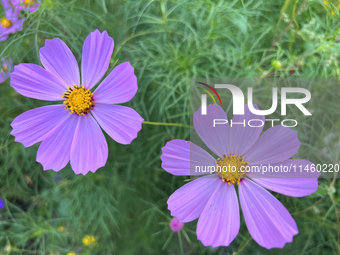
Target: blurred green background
column 123, row 205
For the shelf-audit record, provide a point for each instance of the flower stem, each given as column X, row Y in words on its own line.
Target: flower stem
column 165, row 124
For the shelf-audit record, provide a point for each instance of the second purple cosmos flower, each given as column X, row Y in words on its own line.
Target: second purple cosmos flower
column 71, row 131
column 213, row 198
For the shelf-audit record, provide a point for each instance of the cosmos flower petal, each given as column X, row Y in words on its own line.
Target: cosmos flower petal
column 97, row 51
column 267, row 220
column 294, row 183
column 219, row 222
column 120, row 86
column 54, row 152
column 89, row 149
column 8, row 9
column 216, row 138
column 275, row 145
column 120, row 122
column 58, row 59
column 33, row 81
column 243, row 136
column 36, row 125
column 181, row 157
column 3, row 77
column 188, row 202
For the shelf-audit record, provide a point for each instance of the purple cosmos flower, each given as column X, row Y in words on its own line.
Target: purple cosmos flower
column 176, row 225
column 9, row 24
column 70, row 131
column 213, row 198
column 5, row 69
column 29, row 5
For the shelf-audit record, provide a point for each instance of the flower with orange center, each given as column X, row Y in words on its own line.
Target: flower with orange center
column 10, row 23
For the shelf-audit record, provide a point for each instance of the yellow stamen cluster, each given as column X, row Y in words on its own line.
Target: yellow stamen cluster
column 78, row 99
column 4, row 68
column 231, row 168
column 6, row 23
column 28, row 2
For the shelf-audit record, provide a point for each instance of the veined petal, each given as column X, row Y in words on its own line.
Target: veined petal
column 275, row 145
column 33, row 81
column 120, row 86
column 89, row 149
column 268, row 221
column 219, row 222
column 120, row 122
column 294, row 182
column 97, row 51
column 36, row 125
column 181, row 157
column 242, row 137
column 188, row 202
column 216, row 138
column 54, row 152
column 58, row 59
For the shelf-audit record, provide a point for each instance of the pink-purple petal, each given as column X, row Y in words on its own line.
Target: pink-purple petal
column 188, row 202
column 54, row 152
column 97, row 51
column 36, row 125
column 8, row 9
column 219, row 222
column 33, row 81
column 268, row 221
column 295, row 183
column 216, row 138
column 89, row 149
column 120, row 86
column 243, row 136
column 275, row 145
column 181, row 157
column 58, row 59
column 120, row 122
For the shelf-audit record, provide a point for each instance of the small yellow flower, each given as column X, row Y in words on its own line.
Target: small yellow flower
column 71, row 253
column 88, row 240
column 61, row 229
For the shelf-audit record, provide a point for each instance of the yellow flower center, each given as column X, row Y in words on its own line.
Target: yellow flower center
column 28, row 2
column 4, row 68
column 78, row 99
column 231, row 168
column 6, row 23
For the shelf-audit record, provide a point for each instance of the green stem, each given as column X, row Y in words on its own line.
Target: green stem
column 165, row 124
